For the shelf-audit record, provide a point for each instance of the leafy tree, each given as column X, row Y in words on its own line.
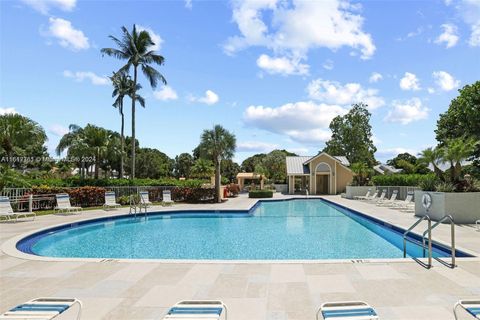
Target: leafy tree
column 202, row 168
column 11, row 178
column 408, row 163
column 20, row 137
column 217, row 144
column 249, row 164
column 402, row 156
column 432, row 156
column 183, row 165
column 154, row 164
column 230, row 169
column 455, row 151
column 362, row 173
column 462, row 119
column 123, row 86
column 352, row 136
column 275, row 166
column 135, row 48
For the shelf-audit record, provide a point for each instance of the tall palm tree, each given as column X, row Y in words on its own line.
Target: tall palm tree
column 217, row 144
column 77, row 148
column 135, row 49
column 432, row 156
column 19, row 135
column 455, row 151
column 123, row 86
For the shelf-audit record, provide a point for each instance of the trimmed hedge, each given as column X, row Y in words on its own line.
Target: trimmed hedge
column 194, row 195
column 260, row 194
column 402, row 179
column 77, row 182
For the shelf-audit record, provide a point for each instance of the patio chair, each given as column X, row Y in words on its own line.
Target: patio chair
column 365, row 197
column 346, row 310
column 63, row 204
column 373, row 196
column 42, row 308
column 167, row 197
column 388, row 202
column 7, row 212
column 380, row 197
column 197, row 309
column 144, row 201
column 472, row 307
column 405, row 204
column 110, row 201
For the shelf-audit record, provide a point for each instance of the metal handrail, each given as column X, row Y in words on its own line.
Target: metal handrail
column 452, row 235
column 425, row 217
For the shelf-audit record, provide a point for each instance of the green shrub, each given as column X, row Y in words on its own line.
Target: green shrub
column 402, row 179
column 429, row 183
column 444, row 187
column 77, row 182
column 260, row 194
column 194, row 195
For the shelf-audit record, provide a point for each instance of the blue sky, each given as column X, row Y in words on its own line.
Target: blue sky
column 273, row 72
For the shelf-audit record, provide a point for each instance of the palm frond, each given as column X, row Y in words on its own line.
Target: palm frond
column 114, row 53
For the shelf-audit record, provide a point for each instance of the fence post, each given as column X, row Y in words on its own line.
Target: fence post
column 30, row 203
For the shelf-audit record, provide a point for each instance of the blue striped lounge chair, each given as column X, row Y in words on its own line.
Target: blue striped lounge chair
column 346, row 310
column 110, row 200
column 472, row 307
column 42, row 309
column 63, row 204
column 197, row 309
column 7, row 212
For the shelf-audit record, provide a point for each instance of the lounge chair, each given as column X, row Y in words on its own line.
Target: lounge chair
column 346, row 310
column 388, row 202
column 372, row 196
column 405, row 204
column 197, row 309
column 42, row 308
column 144, row 201
column 472, row 307
column 379, row 198
column 365, row 197
column 63, row 204
column 7, row 212
column 110, row 201
column 167, row 197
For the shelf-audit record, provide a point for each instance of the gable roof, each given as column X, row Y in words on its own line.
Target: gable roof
column 341, row 159
column 298, row 165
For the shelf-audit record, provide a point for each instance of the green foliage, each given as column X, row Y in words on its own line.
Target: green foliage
column 428, row 183
column 352, row 136
column 21, row 137
column 362, row 174
column 229, row 170
column 444, row 187
column 154, row 164
column 462, row 119
column 401, row 179
column 202, row 169
column 408, row 163
column 260, row 194
column 455, row 151
column 249, row 164
column 272, row 165
column 432, row 156
column 11, row 178
column 183, row 165
column 194, row 195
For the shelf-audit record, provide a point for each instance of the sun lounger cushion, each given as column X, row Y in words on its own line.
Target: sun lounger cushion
column 361, row 312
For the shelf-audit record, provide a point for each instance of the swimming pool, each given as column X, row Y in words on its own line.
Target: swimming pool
column 300, row 229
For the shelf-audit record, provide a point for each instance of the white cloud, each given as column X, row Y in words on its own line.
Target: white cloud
column 209, row 98
column 407, row 112
column 410, row 82
column 449, row 35
column 292, row 29
column 474, row 40
column 431, row 90
column 282, row 65
column 157, row 40
column 305, row 122
column 393, row 152
column 44, row 6
column 445, row 81
column 188, row 4
column 333, row 92
column 328, row 64
column 82, row 75
column 255, row 146
column 375, row 77
column 58, row 130
column 67, row 35
column 4, row 111
column 165, row 94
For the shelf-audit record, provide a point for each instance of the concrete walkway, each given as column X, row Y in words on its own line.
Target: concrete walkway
column 280, row 291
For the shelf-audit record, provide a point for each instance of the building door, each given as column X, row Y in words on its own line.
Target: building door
column 322, row 183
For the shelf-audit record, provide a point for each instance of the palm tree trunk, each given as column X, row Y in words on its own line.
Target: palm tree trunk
column 122, row 140
column 133, row 120
column 217, row 180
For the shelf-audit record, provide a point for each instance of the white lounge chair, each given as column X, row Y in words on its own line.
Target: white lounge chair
column 144, row 201
column 110, row 200
column 63, row 204
column 7, row 212
column 167, row 197
column 365, row 197
column 388, row 202
column 373, row 196
column 379, row 198
column 197, row 309
column 42, row 308
column 405, row 204
column 346, row 310
column 472, row 307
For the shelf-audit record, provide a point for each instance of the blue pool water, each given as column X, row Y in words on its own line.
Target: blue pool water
column 278, row 230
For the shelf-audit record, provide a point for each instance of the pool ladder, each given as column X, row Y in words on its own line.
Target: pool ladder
column 427, row 241
column 134, row 206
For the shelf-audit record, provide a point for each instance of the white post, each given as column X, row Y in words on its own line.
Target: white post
column 30, row 203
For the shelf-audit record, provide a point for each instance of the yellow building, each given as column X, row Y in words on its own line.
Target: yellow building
column 320, row 174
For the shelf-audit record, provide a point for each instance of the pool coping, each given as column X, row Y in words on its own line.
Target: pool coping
column 9, row 247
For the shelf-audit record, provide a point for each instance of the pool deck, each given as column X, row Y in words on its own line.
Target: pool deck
column 276, row 291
